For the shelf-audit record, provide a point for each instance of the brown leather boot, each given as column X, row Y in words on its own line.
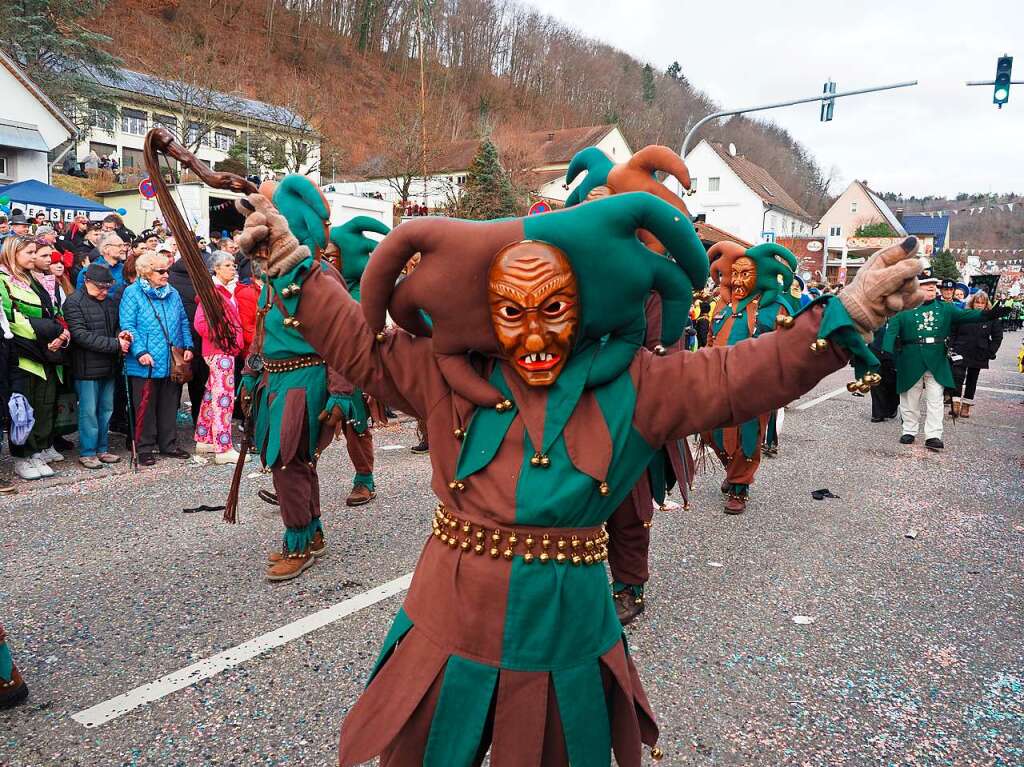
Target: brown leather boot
column 317, row 547
column 735, row 504
column 14, row 691
column 360, row 495
column 965, row 410
column 726, row 484
column 291, row 566
column 628, row 605
column 956, row 409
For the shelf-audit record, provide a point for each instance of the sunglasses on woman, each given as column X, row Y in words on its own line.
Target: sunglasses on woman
column 160, row 271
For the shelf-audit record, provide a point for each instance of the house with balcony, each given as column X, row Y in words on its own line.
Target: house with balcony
column 211, row 122
column 31, row 126
column 739, row 196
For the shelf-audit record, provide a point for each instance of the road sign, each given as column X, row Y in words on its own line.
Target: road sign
column 541, row 206
column 147, row 188
column 768, row 236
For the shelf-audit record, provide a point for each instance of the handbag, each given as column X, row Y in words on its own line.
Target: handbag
column 181, row 371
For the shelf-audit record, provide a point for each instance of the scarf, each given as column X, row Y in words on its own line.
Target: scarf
column 154, row 292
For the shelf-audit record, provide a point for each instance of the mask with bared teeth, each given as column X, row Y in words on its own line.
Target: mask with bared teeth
column 534, row 305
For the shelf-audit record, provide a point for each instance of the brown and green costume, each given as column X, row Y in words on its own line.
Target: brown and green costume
column 754, row 315
column 13, row 689
column 508, row 639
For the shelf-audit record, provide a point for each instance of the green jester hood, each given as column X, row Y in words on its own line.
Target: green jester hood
column 355, row 248
column 615, row 273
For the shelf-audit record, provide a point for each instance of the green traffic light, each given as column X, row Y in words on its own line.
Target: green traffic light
column 1001, row 94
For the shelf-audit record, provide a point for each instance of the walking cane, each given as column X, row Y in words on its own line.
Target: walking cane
column 131, row 419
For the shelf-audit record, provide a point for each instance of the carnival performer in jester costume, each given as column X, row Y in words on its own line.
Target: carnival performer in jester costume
column 629, row 528
column 543, row 410
column 753, row 285
column 13, row 689
column 298, row 402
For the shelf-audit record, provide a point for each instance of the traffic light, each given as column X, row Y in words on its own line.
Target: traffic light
column 827, row 104
column 1001, row 94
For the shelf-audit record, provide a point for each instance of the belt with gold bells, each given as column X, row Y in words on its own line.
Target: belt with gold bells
column 575, row 546
column 292, row 363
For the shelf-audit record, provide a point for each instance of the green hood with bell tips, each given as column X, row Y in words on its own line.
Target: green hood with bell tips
column 596, row 165
column 776, row 267
column 355, row 248
column 616, row 273
column 305, row 208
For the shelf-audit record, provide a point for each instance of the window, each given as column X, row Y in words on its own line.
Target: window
column 3, row 167
column 223, row 138
column 135, row 122
column 853, row 207
column 713, row 183
column 166, row 121
column 101, row 116
column 131, row 160
column 835, row 231
column 192, row 135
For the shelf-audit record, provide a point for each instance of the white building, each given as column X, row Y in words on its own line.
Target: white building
column 550, row 152
column 142, row 101
column 740, row 197
column 30, row 126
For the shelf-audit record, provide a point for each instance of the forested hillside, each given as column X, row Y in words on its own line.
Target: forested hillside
column 352, row 67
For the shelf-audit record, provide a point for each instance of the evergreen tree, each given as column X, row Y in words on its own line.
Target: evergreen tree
column 648, row 84
column 944, row 266
column 48, row 40
column 488, row 192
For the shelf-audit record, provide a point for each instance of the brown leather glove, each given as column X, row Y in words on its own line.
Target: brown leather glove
column 266, row 237
column 885, row 285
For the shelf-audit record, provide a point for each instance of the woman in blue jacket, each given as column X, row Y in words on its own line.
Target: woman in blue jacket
column 152, row 311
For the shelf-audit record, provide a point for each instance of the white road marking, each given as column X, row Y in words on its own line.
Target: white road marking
column 819, row 400
column 109, row 710
column 392, row 447
column 1001, row 391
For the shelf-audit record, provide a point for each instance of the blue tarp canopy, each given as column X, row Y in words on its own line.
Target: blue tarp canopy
column 42, row 195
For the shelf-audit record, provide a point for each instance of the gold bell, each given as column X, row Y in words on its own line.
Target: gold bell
column 503, row 406
column 460, row 486
column 659, row 350
column 656, row 753
column 458, row 434
column 544, row 558
column 507, row 553
column 560, row 557
column 784, row 321
column 513, row 540
column 576, row 559
column 545, row 462
column 864, row 387
column 872, row 379
column 381, row 337
column 562, row 544
column 853, row 386
column 494, row 552
column 478, row 549
column 603, row 488
column 528, row 558
column 535, row 460
column 819, row 345
column 464, row 545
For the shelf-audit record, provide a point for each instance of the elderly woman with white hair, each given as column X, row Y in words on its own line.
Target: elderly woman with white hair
column 213, row 426
column 151, row 310
column 975, row 344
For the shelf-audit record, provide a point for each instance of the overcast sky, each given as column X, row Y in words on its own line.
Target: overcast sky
column 939, row 137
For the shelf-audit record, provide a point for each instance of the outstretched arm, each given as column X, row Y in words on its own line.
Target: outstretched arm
column 723, row 386
column 691, row 392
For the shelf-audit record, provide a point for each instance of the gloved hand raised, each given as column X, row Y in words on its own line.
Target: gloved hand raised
column 266, row 237
column 886, row 285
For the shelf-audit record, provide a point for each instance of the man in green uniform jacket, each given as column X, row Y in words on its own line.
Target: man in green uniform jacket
column 917, row 339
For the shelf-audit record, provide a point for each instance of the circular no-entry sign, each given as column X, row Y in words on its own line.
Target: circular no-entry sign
column 539, row 207
column 146, row 188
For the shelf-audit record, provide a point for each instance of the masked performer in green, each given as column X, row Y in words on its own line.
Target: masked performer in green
column 753, row 283
column 297, row 401
column 543, row 410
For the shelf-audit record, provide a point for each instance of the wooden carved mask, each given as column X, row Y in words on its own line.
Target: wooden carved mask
column 534, row 303
column 743, row 277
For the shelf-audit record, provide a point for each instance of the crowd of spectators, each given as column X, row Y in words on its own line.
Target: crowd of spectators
column 96, row 323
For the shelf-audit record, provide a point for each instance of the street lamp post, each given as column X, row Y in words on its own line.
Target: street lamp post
column 776, row 105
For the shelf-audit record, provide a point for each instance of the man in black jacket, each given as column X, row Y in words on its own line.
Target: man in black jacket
column 96, row 359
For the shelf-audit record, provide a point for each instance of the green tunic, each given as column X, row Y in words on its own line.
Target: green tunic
column 917, row 339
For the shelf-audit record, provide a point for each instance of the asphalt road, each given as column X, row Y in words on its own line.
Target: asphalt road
column 909, row 650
